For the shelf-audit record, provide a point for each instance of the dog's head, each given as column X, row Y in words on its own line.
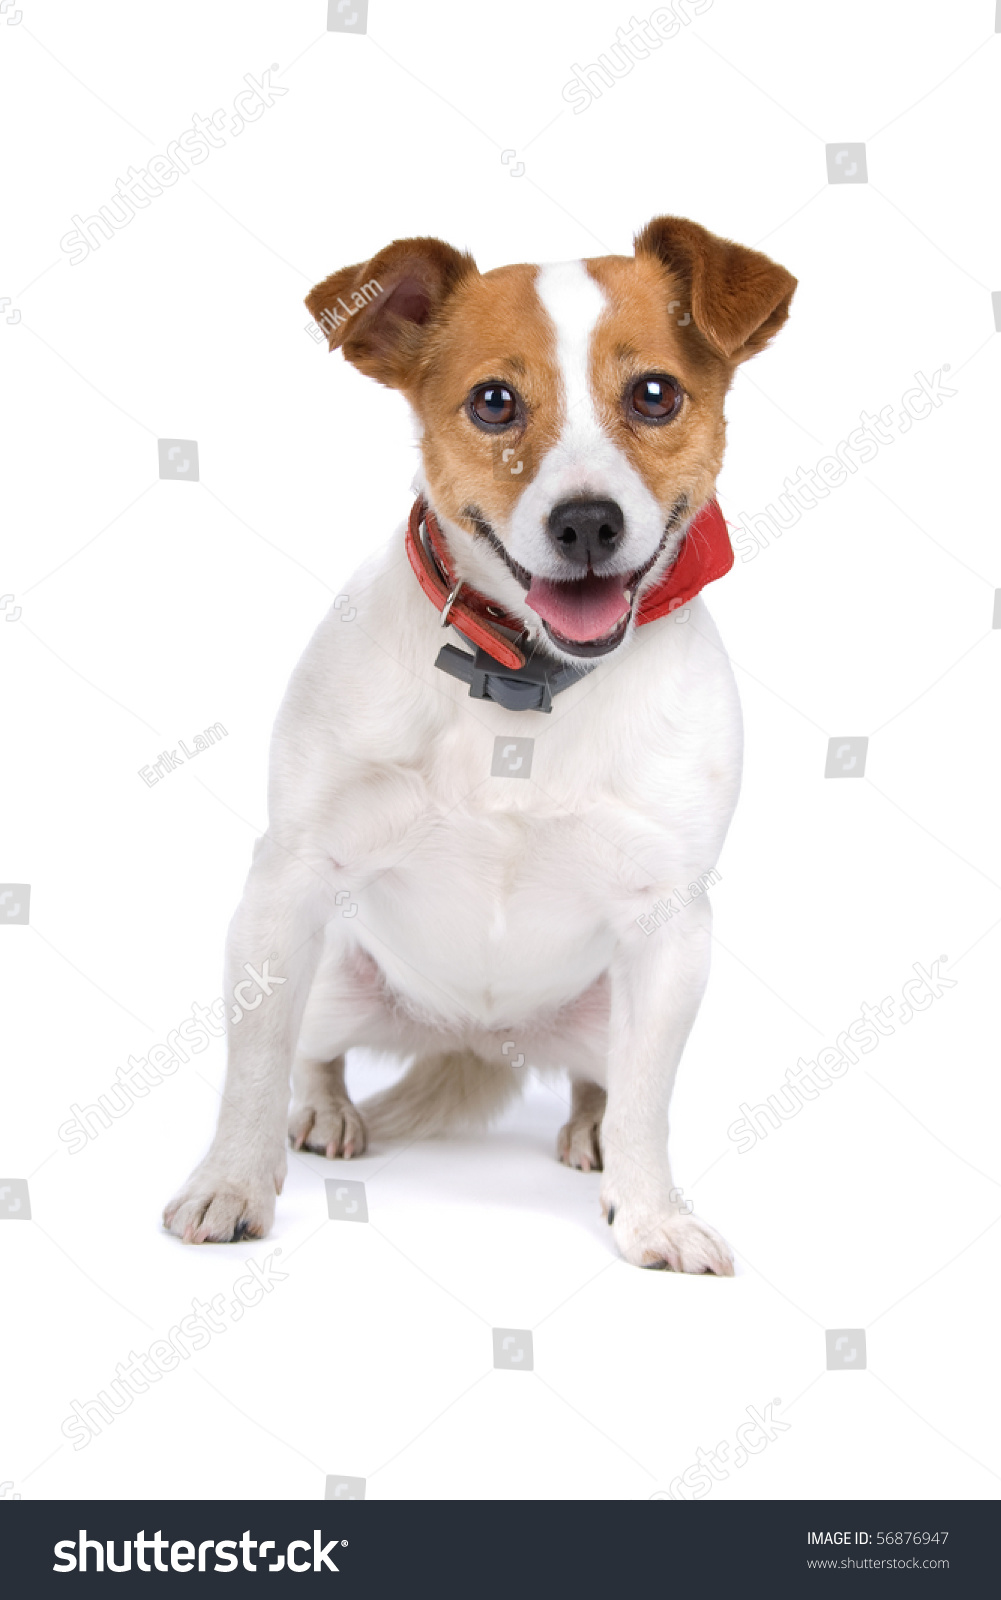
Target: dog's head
column 571, row 416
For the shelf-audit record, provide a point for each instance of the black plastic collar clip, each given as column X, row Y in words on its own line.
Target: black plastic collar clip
column 527, row 688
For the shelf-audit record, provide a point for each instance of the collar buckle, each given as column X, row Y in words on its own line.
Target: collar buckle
column 449, row 603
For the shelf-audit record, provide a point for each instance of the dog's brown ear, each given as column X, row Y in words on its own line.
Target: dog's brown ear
column 378, row 312
column 738, row 297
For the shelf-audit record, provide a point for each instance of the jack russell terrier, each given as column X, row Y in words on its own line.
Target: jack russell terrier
column 466, row 841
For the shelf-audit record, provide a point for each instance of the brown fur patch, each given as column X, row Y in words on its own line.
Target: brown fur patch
column 636, row 336
column 738, row 297
column 380, row 312
column 496, row 328
column 435, row 328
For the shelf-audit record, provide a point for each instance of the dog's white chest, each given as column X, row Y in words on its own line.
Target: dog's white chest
column 492, row 864
column 496, row 898
column 491, row 913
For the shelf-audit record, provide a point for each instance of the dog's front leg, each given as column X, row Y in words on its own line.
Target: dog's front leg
column 657, row 984
column 272, row 951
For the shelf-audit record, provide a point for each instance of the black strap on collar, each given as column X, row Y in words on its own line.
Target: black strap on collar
column 528, row 688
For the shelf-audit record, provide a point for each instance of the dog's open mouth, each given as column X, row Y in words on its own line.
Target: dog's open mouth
column 587, row 616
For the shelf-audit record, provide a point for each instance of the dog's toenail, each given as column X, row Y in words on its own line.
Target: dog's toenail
column 611, row 1215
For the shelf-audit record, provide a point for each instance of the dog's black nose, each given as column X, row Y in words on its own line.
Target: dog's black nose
column 586, row 532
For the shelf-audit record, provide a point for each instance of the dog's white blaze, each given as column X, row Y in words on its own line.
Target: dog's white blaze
column 573, row 302
column 585, row 461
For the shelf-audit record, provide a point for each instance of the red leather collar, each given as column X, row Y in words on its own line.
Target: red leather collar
column 705, row 555
column 465, row 608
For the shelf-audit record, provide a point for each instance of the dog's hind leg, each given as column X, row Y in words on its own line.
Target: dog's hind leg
column 322, row 1116
column 578, row 1143
column 440, row 1093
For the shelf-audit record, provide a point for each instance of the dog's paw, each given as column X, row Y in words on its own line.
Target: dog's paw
column 667, row 1239
column 578, row 1143
column 213, row 1208
column 331, row 1130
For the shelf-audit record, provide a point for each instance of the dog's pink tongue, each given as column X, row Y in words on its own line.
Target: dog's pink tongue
column 583, row 610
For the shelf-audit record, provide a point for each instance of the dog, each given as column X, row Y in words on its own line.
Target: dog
column 421, row 889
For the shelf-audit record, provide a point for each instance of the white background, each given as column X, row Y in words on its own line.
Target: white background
column 151, row 609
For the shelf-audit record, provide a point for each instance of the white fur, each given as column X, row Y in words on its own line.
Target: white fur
column 495, row 916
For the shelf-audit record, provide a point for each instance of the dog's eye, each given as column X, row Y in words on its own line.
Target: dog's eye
column 493, row 404
column 656, row 398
